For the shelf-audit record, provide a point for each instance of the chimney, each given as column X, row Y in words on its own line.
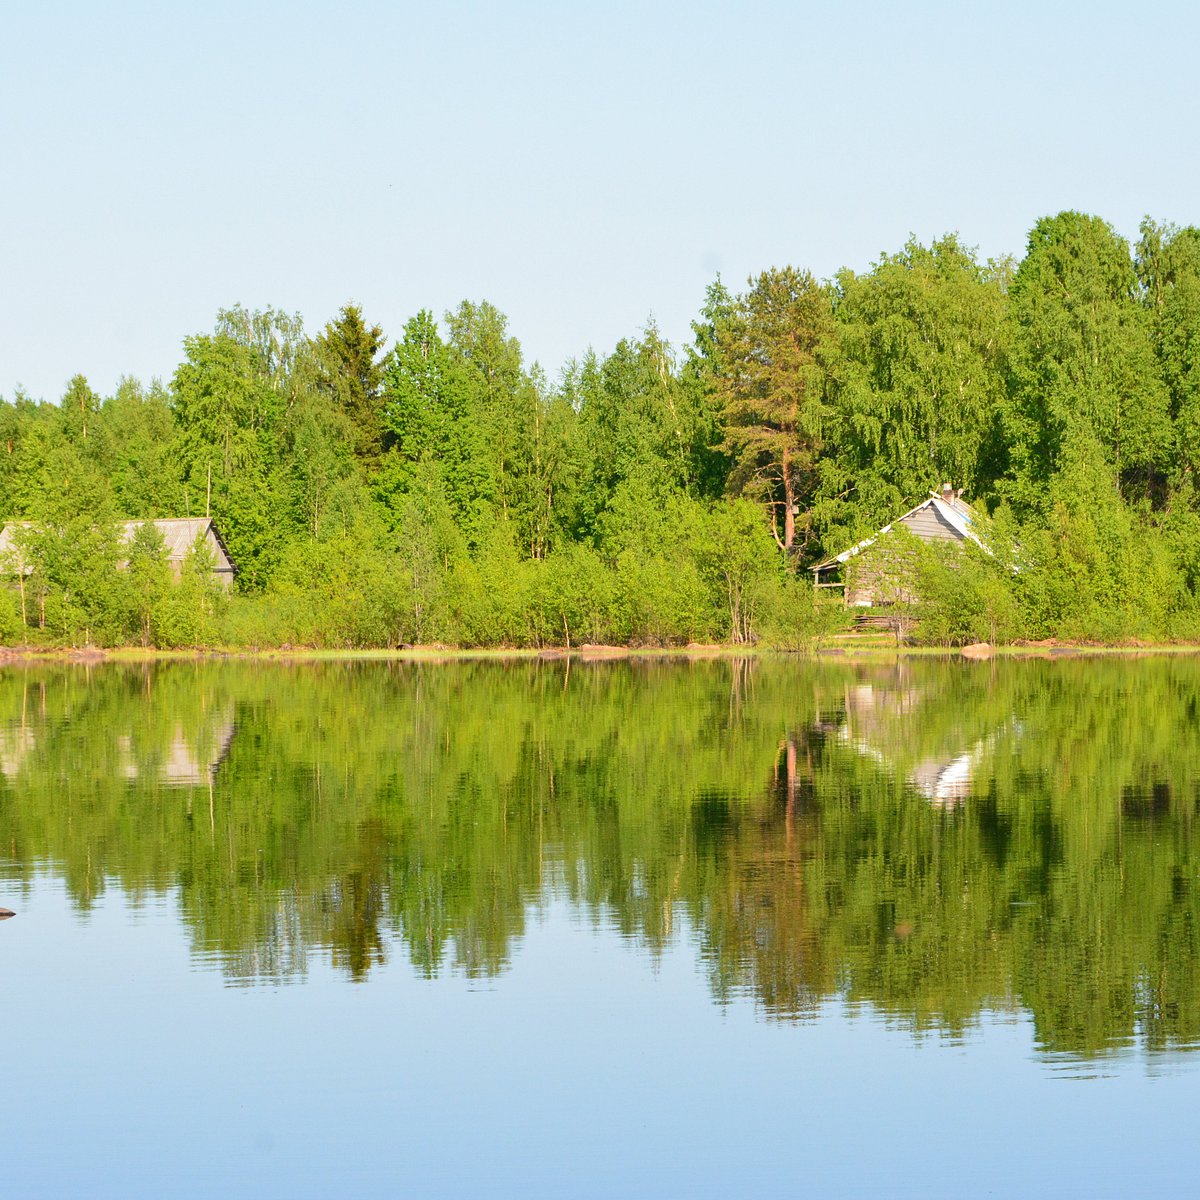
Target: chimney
column 947, row 493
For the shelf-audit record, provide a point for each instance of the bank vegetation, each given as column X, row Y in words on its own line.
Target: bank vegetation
column 441, row 489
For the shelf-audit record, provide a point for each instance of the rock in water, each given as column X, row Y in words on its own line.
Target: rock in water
column 588, row 650
column 977, row 650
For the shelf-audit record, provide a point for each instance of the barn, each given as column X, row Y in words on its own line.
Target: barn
column 867, row 572
column 179, row 535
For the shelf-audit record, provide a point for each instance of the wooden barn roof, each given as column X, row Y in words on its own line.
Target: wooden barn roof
column 179, row 534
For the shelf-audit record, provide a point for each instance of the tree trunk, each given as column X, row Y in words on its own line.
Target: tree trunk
column 789, row 502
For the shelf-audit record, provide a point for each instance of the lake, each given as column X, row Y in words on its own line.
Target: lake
column 660, row 928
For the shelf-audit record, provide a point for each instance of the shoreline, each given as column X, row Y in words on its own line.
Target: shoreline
column 587, row 653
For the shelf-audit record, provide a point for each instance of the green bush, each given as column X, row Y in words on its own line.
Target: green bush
column 11, row 629
column 966, row 595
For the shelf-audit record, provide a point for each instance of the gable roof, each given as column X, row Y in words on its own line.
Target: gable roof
column 955, row 512
column 10, row 556
column 179, row 535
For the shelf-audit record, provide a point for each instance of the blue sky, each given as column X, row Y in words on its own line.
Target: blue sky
column 584, row 167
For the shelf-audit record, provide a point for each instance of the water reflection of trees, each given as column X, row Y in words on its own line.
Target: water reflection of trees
column 779, row 814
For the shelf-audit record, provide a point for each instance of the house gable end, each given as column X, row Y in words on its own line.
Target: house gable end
column 943, row 517
column 928, row 523
column 179, row 535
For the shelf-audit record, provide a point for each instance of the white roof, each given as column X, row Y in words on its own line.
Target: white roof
column 957, row 513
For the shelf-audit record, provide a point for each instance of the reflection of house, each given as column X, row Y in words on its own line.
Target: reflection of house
column 184, row 761
column 16, row 742
column 872, row 572
column 187, row 763
column 875, row 727
column 947, row 784
column 179, row 535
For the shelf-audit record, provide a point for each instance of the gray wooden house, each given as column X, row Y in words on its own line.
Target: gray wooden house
column 867, row 573
column 179, row 535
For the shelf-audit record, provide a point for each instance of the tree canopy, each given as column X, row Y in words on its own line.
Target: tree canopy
column 652, row 493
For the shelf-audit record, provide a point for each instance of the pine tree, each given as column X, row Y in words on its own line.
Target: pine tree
column 773, row 392
column 351, row 370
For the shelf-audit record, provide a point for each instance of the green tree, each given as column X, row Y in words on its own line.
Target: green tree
column 773, row 393
column 430, row 419
column 280, row 354
column 220, row 406
column 227, row 396
column 1168, row 262
column 70, row 548
column 700, row 379
column 503, row 427
column 741, row 562
column 919, row 377
column 429, row 547
column 80, row 408
column 149, row 581
column 349, row 353
column 30, row 429
column 635, row 434
column 193, row 607
column 1082, row 360
column 139, row 428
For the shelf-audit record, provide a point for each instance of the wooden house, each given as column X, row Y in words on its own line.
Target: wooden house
column 179, row 535
column 873, row 572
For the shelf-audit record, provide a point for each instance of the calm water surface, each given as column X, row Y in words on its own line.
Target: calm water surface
column 618, row 929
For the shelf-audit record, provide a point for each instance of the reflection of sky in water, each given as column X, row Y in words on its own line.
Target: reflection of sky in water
column 586, row 1069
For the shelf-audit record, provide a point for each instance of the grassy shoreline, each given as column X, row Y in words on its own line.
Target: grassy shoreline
column 10, row 655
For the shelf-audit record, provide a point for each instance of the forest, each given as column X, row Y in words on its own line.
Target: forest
column 437, row 488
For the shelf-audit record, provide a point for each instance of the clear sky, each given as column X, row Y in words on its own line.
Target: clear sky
column 581, row 166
